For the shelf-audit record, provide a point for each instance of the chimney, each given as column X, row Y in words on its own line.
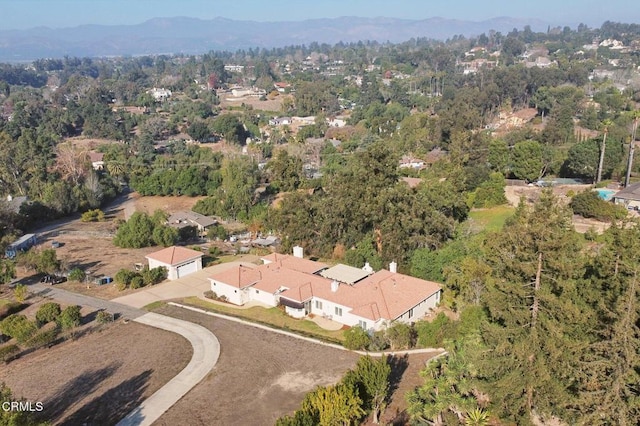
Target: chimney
column 334, row 286
column 393, row 267
column 367, row 267
column 298, row 252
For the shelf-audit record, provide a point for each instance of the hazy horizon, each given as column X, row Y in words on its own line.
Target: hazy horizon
column 26, row 14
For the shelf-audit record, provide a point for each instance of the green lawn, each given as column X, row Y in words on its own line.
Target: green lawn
column 491, row 219
column 273, row 317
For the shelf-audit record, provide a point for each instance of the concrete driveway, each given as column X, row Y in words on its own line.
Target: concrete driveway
column 192, row 285
column 206, row 351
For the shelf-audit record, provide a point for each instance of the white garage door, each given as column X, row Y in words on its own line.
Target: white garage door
column 186, row 269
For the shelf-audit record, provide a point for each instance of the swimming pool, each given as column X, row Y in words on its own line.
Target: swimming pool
column 605, row 194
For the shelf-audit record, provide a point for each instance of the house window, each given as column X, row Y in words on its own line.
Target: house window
column 318, row 304
column 257, row 291
column 215, row 284
column 411, row 313
column 362, row 324
column 338, row 311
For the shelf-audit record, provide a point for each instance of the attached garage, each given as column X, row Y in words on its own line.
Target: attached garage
column 179, row 261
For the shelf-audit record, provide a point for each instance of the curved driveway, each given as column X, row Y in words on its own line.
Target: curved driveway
column 206, row 350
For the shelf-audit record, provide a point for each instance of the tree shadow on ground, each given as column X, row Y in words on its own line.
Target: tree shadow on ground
column 114, row 404
column 398, row 366
column 74, row 390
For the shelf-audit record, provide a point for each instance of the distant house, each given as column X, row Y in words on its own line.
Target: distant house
column 183, row 219
column 97, row 160
column 348, row 295
column 179, row 261
column 280, row 121
column 13, row 204
column 160, row 94
column 23, row 243
column 409, row 162
column 628, row 197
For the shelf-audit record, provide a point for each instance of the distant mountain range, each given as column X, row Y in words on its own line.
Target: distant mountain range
column 193, row 36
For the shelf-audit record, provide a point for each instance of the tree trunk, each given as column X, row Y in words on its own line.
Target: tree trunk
column 536, row 287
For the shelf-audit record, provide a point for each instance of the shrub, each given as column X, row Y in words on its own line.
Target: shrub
column 20, row 292
column 356, row 338
column 48, row 312
column 70, row 317
column 432, row 334
column 18, row 327
column 137, row 282
column 77, row 274
column 154, row 276
column 124, row 276
column 121, row 286
column 589, row 204
column 8, row 352
column 95, row 215
column 400, row 336
column 104, row 317
column 210, row 295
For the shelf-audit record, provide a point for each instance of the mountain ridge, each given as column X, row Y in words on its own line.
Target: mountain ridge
column 194, row 35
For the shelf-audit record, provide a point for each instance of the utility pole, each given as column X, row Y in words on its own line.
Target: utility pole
column 632, row 146
column 604, row 146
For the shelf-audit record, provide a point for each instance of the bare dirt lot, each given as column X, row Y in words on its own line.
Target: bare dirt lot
column 90, row 247
column 268, row 105
column 261, row 376
column 531, row 193
column 98, row 378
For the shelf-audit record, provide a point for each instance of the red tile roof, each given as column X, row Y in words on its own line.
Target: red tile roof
column 295, row 263
column 239, row 276
column 174, row 255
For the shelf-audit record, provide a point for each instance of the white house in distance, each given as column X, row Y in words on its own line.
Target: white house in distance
column 179, row 261
column 345, row 294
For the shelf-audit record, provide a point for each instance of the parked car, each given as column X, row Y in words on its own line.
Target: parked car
column 53, row 279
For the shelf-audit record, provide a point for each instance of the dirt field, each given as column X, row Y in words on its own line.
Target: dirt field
column 89, row 246
column 268, row 105
column 261, row 376
column 532, row 193
column 98, row 378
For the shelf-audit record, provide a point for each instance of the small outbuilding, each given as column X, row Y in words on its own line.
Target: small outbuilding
column 179, row 261
column 24, row 243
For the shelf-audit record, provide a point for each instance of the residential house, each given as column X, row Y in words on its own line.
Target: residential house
column 182, row 219
column 97, row 160
column 179, row 261
column 410, row 162
column 348, row 295
column 629, row 197
column 160, row 94
column 280, row 121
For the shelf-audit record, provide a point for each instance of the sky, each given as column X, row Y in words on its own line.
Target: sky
column 22, row 14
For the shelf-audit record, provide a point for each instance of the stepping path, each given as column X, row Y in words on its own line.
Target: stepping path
column 206, row 350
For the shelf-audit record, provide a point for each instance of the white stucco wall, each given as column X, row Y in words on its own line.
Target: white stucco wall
column 263, row 297
column 233, row 294
column 421, row 309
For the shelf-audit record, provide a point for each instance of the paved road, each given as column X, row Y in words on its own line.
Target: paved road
column 206, row 350
column 83, row 300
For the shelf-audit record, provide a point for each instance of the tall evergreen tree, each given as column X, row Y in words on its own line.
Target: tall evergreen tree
column 610, row 391
column 532, row 309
